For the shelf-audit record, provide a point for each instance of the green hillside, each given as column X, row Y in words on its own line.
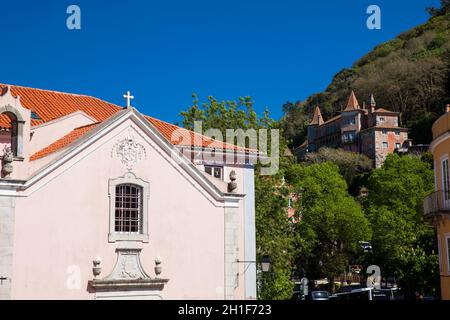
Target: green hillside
column 409, row 74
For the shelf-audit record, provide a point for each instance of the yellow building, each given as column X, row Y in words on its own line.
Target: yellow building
column 437, row 205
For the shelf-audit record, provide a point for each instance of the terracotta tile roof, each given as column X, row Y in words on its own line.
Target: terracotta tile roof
column 333, row 119
column 352, row 103
column 181, row 136
column 63, row 142
column 50, row 105
column 317, row 117
column 381, row 110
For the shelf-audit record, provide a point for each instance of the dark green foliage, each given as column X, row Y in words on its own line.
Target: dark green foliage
column 331, row 222
column 274, row 238
column 352, row 166
column 403, row 242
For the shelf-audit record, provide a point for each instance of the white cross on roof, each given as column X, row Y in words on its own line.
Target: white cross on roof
column 128, row 98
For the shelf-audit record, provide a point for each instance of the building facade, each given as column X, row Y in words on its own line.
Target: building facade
column 102, row 202
column 437, row 205
column 370, row 131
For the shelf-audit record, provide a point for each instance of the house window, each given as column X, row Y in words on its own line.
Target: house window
column 397, row 133
column 12, row 138
column 128, row 209
column 128, row 213
column 216, row 172
column 440, row 255
column 447, row 242
column 397, row 146
column 384, row 132
column 385, row 145
column 381, row 119
column 349, row 137
column 445, row 179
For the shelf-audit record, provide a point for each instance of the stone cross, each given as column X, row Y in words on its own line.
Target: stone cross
column 128, row 98
column 2, row 279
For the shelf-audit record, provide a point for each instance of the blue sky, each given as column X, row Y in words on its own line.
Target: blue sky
column 163, row 51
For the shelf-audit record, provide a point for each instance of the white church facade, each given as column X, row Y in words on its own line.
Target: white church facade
column 102, row 202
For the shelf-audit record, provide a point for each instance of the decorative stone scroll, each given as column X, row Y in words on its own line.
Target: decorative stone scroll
column 129, row 151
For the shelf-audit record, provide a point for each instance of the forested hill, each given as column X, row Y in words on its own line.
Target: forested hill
column 409, row 74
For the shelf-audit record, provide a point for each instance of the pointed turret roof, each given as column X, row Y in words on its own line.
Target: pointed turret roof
column 373, row 103
column 352, row 103
column 317, row 119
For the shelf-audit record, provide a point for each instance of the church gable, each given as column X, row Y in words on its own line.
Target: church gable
column 131, row 132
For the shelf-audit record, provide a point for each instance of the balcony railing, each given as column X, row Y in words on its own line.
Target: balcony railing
column 437, row 202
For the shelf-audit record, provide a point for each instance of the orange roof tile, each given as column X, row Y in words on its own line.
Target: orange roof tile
column 51, row 105
column 317, row 117
column 381, row 110
column 352, row 103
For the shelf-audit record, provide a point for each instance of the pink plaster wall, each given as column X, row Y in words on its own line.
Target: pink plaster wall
column 47, row 133
column 65, row 220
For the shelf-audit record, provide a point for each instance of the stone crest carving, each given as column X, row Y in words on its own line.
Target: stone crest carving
column 129, row 151
column 128, row 266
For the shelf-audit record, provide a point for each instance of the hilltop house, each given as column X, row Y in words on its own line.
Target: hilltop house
column 370, row 131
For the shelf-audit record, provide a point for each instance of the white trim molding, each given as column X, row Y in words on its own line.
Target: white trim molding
column 438, row 140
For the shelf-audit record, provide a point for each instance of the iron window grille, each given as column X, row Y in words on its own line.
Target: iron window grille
column 128, row 209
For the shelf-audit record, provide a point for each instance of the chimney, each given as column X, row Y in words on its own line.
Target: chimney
column 373, row 103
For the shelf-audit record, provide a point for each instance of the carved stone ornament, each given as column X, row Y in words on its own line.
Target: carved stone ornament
column 128, row 266
column 8, row 158
column 232, row 185
column 128, row 274
column 129, row 151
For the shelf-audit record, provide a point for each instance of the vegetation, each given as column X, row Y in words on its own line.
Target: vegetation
column 409, row 74
column 331, row 223
column 404, row 244
column 352, row 166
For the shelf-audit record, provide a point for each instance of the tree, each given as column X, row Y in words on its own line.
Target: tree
column 274, row 238
column 331, row 222
column 273, row 228
column 403, row 242
column 352, row 166
column 444, row 9
column 225, row 115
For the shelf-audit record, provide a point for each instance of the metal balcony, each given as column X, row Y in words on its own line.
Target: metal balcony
column 437, row 203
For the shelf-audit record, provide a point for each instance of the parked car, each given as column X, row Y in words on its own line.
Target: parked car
column 319, row 295
column 365, row 246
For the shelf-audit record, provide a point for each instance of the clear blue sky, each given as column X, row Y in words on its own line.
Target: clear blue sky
column 162, row 51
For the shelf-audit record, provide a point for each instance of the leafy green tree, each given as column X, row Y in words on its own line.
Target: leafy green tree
column 274, row 238
column 352, row 166
column 331, row 222
column 225, row 115
column 403, row 242
column 273, row 228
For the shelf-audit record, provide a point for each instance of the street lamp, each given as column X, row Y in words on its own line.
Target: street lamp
column 265, row 263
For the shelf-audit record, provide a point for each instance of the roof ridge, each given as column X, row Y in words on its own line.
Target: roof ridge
column 60, row 92
column 88, row 125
